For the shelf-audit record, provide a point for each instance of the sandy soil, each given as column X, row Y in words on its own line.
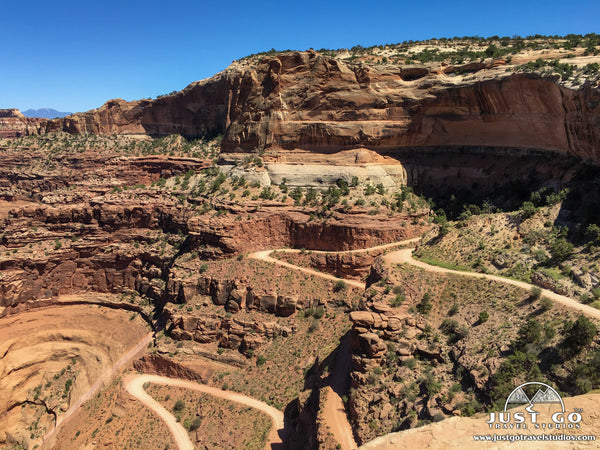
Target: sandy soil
column 114, row 420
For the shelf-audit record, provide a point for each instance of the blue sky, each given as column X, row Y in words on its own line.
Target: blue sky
column 74, row 55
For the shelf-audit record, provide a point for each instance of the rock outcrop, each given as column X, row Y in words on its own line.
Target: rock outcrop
column 227, row 332
column 14, row 124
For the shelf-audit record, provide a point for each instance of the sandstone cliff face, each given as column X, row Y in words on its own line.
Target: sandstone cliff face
column 14, row 124
column 198, row 110
column 302, row 100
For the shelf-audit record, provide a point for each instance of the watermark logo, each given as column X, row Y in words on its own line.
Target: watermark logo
column 545, row 410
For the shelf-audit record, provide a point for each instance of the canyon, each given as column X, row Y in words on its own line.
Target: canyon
column 257, row 224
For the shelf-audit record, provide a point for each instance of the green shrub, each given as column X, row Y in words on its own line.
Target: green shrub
column 546, row 304
column 179, row 405
column 587, row 373
column 586, row 299
column 561, row 250
column 319, row 312
column 398, row 300
column 549, row 330
column 535, row 293
column 411, row 363
column 195, row 424
column 339, row 286
column 449, row 326
column 261, row 360
column 432, row 386
column 425, row 305
column 267, row 193
column 579, row 335
column 369, row 189
column 454, row 309
column 484, row 316
column 217, row 182
column 528, row 209
column 518, row 366
column 529, row 333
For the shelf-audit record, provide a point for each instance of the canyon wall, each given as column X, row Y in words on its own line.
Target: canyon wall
column 302, row 100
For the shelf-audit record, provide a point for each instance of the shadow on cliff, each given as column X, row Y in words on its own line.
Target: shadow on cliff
column 458, row 178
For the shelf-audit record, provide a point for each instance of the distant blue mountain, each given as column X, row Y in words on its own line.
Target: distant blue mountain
column 46, row 113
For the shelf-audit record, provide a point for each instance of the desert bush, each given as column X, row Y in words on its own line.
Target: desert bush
column 518, row 366
column 449, row 326
column 411, row 363
column 561, row 250
column 528, row 209
column 425, row 305
column 578, row 335
column 339, row 286
column 431, row 385
column 195, row 424
column 549, row 330
column 319, row 312
column 535, row 293
column 398, row 300
column 179, row 405
column 369, row 189
column 454, row 309
column 267, row 193
column 217, row 182
column 529, row 333
column 586, row 374
column 546, row 304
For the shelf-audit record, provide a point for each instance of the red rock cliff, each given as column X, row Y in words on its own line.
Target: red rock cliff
column 307, row 101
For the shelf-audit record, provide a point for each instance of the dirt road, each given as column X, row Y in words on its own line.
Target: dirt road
column 404, row 256
column 265, row 255
column 334, row 411
column 134, row 384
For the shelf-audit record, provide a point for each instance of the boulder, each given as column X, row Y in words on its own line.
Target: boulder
column 268, row 303
column 286, row 306
column 363, row 319
column 371, row 345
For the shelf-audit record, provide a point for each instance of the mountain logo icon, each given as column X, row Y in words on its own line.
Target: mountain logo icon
column 543, row 394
